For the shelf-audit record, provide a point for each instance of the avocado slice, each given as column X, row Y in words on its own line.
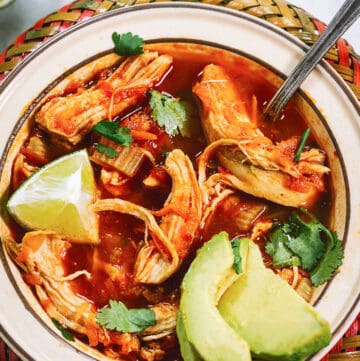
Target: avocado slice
column 188, row 351
column 209, row 275
column 275, row 321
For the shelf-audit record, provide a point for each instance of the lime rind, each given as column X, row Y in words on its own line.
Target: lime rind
column 58, row 198
column 5, row 3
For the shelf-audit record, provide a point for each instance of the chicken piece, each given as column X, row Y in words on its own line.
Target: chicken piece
column 171, row 242
column 180, row 221
column 70, row 118
column 152, row 354
column 260, row 229
column 165, row 314
column 100, row 68
column 115, row 183
column 40, row 255
column 262, row 168
column 37, row 150
column 158, row 179
column 152, row 182
column 22, row 170
column 129, row 344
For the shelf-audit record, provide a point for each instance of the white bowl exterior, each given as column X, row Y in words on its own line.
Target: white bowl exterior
column 211, row 24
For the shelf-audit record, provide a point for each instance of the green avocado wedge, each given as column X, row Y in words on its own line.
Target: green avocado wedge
column 209, row 275
column 187, row 350
column 274, row 320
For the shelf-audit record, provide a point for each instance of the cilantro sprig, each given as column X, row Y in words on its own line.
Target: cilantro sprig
column 114, row 132
column 332, row 259
column 118, row 317
column 307, row 244
column 280, row 253
column 305, row 240
column 169, row 113
column 128, row 43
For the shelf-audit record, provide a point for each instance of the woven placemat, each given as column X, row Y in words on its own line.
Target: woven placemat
column 289, row 17
column 278, row 12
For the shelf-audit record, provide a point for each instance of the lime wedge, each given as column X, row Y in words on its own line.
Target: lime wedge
column 5, row 3
column 58, row 198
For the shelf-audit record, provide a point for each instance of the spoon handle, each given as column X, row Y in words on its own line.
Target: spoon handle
column 343, row 19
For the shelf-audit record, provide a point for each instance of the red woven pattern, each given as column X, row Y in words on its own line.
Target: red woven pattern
column 278, row 12
column 348, row 347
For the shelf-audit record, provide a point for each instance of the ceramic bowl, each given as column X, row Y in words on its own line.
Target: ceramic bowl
column 328, row 104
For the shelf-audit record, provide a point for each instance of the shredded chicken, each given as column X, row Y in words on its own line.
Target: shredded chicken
column 40, row 256
column 162, row 254
column 263, row 169
column 71, row 117
column 152, row 354
column 115, row 182
column 170, row 242
column 22, row 170
column 165, row 314
column 260, row 229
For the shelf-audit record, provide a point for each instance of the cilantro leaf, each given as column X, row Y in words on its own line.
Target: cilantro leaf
column 66, row 333
column 108, row 151
column 118, row 317
column 319, row 250
column 282, row 256
column 235, row 245
column 332, row 259
column 305, row 241
column 128, row 44
column 169, row 113
column 113, row 131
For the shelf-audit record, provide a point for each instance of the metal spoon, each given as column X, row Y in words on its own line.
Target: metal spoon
column 343, row 19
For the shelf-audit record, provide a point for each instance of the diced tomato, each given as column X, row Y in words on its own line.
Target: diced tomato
column 139, row 135
column 142, row 126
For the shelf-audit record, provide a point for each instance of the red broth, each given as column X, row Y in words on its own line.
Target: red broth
column 121, row 234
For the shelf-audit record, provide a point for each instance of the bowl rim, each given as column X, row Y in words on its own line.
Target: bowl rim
column 354, row 310
column 178, row 4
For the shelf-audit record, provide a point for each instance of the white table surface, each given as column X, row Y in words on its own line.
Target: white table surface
column 22, row 14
